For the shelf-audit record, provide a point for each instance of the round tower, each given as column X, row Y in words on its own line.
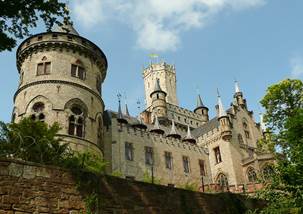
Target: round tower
column 61, row 75
column 158, row 97
column 202, row 110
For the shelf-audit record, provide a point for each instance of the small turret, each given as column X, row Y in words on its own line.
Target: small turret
column 189, row 138
column 265, row 132
column 225, row 125
column 201, row 110
column 159, row 101
column 139, row 123
column 173, row 133
column 238, row 96
column 157, row 129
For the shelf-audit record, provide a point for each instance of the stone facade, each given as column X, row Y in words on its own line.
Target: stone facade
column 61, row 76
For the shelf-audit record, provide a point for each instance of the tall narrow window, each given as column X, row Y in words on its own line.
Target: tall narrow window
column 149, row 155
column 76, row 122
column 129, row 151
column 202, row 167
column 246, row 129
column 222, row 181
column 168, row 160
column 186, row 164
column 43, row 68
column 78, row 71
column 217, row 155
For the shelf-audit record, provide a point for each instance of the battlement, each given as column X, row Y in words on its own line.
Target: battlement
column 135, row 133
column 158, row 67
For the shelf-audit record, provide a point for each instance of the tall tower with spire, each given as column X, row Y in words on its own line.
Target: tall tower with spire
column 167, row 79
column 61, row 75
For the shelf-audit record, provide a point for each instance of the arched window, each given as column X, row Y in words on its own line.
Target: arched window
column 38, row 114
column 222, row 181
column 267, row 172
column 251, row 175
column 246, row 129
column 99, row 132
column 76, row 122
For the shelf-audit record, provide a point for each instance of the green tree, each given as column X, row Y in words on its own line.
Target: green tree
column 32, row 141
column 284, row 118
column 17, row 17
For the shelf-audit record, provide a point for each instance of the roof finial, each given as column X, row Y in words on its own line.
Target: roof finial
column 222, row 111
column 237, row 87
column 126, row 107
column 189, row 137
column 173, row 132
column 156, row 127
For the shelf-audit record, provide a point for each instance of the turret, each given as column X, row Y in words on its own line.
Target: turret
column 173, row 132
column 159, row 101
column 189, row 138
column 224, row 122
column 201, row 110
column 157, row 129
column 266, row 133
column 238, row 96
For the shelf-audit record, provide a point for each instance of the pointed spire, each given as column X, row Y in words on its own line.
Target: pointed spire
column 237, row 87
column 126, row 110
column 189, row 137
column 120, row 117
column 199, row 102
column 222, row 112
column 139, row 123
column 173, row 133
column 157, row 85
column 156, row 127
column 66, row 27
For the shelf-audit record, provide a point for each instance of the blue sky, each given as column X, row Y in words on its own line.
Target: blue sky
column 211, row 42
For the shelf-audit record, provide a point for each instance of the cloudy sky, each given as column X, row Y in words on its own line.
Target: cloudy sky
column 211, row 43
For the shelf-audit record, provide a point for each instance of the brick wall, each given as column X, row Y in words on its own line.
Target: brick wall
column 32, row 188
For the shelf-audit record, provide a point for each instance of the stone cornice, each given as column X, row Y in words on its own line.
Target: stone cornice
column 59, row 82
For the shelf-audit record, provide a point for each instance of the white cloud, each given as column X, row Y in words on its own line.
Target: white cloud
column 296, row 64
column 157, row 23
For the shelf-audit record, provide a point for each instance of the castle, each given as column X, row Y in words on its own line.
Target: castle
column 61, row 76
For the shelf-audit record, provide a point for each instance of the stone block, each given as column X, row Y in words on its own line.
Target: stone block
column 15, row 170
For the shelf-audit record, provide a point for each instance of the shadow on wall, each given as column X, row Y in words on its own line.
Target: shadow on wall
column 28, row 187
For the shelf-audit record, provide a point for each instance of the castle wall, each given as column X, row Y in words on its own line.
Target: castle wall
column 137, row 168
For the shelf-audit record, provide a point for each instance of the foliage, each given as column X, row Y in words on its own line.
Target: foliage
column 147, row 178
column 117, row 174
column 32, row 141
column 284, row 116
column 190, row 186
column 17, row 17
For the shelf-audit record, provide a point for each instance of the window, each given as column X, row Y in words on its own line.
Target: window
column 186, row 164
column 55, row 36
column 250, row 152
column 168, row 160
column 240, row 139
column 43, row 68
column 202, row 167
column 217, row 155
column 76, row 122
column 149, row 155
column 222, row 180
column 99, row 132
column 267, row 171
column 251, row 175
column 129, row 151
column 77, row 71
column 69, row 38
column 246, row 130
column 38, row 114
